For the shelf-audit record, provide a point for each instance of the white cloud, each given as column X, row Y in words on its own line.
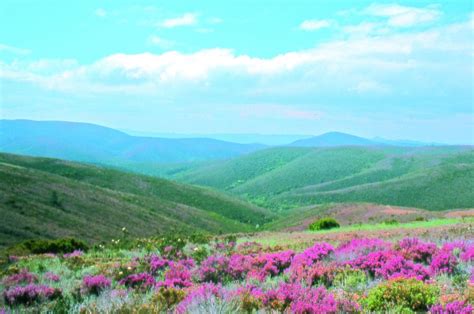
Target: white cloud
column 312, row 25
column 100, row 12
column 357, row 65
column 14, row 50
column 403, row 16
column 369, row 86
column 277, row 111
column 215, row 20
column 160, row 42
column 186, row 19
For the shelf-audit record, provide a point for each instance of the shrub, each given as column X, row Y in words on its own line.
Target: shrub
column 456, row 307
column 41, row 246
column 444, row 262
column 402, row 294
column 138, row 281
column 23, row 277
column 95, row 284
column 168, row 298
column 324, row 224
column 30, row 294
column 350, row 279
column 390, row 222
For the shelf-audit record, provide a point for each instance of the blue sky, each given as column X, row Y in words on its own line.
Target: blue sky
column 392, row 69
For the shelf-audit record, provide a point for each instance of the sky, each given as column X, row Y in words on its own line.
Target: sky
column 399, row 70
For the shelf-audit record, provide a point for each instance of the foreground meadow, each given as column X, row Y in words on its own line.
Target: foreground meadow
column 412, row 268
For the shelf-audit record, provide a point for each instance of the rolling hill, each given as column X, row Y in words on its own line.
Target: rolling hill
column 334, row 139
column 354, row 213
column 433, row 178
column 97, row 144
column 42, row 197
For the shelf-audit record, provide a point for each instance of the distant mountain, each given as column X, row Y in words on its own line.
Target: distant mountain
column 343, row 139
column 50, row 198
column 405, row 143
column 98, row 144
column 434, row 178
column 244, row 138
column 334, row 139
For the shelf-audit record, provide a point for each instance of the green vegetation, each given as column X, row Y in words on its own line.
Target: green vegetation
column 40, row 246
column 324, row 224
column 49, row 198
column 408, row 225
column 433, row 178
column 402, row 295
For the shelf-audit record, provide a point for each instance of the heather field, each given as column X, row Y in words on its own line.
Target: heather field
column 414, row 267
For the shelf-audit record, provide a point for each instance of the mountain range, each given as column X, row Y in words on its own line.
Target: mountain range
column 283, row 178
column 154, row 185
column 98, row 144
column 50, row 198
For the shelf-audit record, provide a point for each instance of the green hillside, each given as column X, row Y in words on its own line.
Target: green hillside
column 42, row 197
column 433, row 178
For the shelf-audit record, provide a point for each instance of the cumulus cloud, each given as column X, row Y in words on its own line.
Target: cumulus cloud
column 365, row 65
column 403, row 16
column 13, row 50
column 313, row 25
column 100, row 12
column 369, row 86
column 160, row 42
column 277, row 112
column 186, row 19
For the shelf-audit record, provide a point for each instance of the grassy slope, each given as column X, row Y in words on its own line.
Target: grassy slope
column 353, row 214
column 432, row 177
column 95, row 203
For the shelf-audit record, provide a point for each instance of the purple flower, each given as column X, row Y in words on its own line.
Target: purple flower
column 456, row 307
column 74, row 254
column 177, row 276
column 312, row 255
column 95, row 284
column 300, row 299
column 51, row 277
column 200, row 293
column 23, row 277
column 30, row 294
column 214, row 269
column 468, row 254
column 359, row 247
column 141, row 281
column 444, row 262
column 417, row 250
column 157, row 263
column 398, row 266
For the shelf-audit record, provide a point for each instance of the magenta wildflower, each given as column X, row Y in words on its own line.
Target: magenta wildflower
column 417, row 250
column 456, row 307
column 95, row 284
column 359, row 247
column 199, row 294
column 30, row 294
column 444, row 262
column 215, row 269
column 468, row 254
column 158, row 263
column 138, row 281
column 177, row 276
column 51, row 277
column 23, row 277
column 74, row 254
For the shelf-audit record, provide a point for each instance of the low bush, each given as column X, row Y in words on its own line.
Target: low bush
column 391, row 222
column 403, row 295
column 324, row 224
column 41, row 246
